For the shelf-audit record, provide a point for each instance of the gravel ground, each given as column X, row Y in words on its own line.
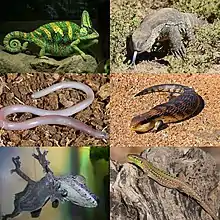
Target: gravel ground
column 200, row 131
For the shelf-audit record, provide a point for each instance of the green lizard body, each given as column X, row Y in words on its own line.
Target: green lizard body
column 170, row 181
column 61, row 38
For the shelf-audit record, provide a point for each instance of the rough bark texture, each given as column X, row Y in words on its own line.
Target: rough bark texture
column 138, row 198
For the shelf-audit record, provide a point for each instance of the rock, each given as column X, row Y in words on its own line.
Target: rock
column 23, row 63
column 15, row 63
column 76, row 64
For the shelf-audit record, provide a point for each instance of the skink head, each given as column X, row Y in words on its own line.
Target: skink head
column 142, row 124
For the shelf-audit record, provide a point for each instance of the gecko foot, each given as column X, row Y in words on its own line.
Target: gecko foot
column 17, row 163
column 41, row 157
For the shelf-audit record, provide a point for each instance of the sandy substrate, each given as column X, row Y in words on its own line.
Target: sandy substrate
column 17, row 89
column 200, row 131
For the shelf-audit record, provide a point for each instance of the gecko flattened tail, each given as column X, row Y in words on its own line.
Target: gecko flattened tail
column 12, row 41
column 172, row 88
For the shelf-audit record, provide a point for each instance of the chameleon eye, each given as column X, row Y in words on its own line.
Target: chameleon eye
column 83, row 31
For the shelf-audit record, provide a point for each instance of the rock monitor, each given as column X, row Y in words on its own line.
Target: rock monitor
column 167, row 24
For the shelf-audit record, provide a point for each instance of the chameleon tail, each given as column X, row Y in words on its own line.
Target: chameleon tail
column 172, row 88
column 12, row 41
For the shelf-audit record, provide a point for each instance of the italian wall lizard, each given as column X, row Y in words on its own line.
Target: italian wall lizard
column 170, row 181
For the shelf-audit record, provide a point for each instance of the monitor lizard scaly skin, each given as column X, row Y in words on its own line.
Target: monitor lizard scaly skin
column 176, row 109
column 166, row 24
column 170, row 181
column 61, row 38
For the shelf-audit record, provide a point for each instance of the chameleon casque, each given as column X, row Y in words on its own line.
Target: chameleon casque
column 61, row 38
column 178, row 108
column 165, row 25
column 55, row 188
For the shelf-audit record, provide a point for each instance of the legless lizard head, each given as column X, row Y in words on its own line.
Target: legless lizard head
column 142, row 123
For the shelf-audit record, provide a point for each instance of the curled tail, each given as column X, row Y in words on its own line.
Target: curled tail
column 172, row 88
column 12, row 41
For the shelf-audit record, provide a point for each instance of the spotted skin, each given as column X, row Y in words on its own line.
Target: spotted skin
column 61, row 38
column 178, row 108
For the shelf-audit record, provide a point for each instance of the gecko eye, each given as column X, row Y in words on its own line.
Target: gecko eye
column 65, row 193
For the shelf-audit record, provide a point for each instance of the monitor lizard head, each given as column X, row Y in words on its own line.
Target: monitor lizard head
column 144, row 37
column 141, row 42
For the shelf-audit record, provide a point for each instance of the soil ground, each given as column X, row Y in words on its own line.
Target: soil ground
column 202, row 130
column 17, row 89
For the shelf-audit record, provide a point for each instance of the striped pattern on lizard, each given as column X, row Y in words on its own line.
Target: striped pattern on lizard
column 61, row 38
column 170, row 181
column 178, row 108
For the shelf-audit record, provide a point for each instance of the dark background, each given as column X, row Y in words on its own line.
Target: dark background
column 26, row 15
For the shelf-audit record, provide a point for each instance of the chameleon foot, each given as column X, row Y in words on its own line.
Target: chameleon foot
column 83, row 55
column 44, row 58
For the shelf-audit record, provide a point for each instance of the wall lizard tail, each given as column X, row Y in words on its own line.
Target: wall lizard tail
column 170, row 181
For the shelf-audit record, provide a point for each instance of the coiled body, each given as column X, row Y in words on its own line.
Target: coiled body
column 58, row 117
